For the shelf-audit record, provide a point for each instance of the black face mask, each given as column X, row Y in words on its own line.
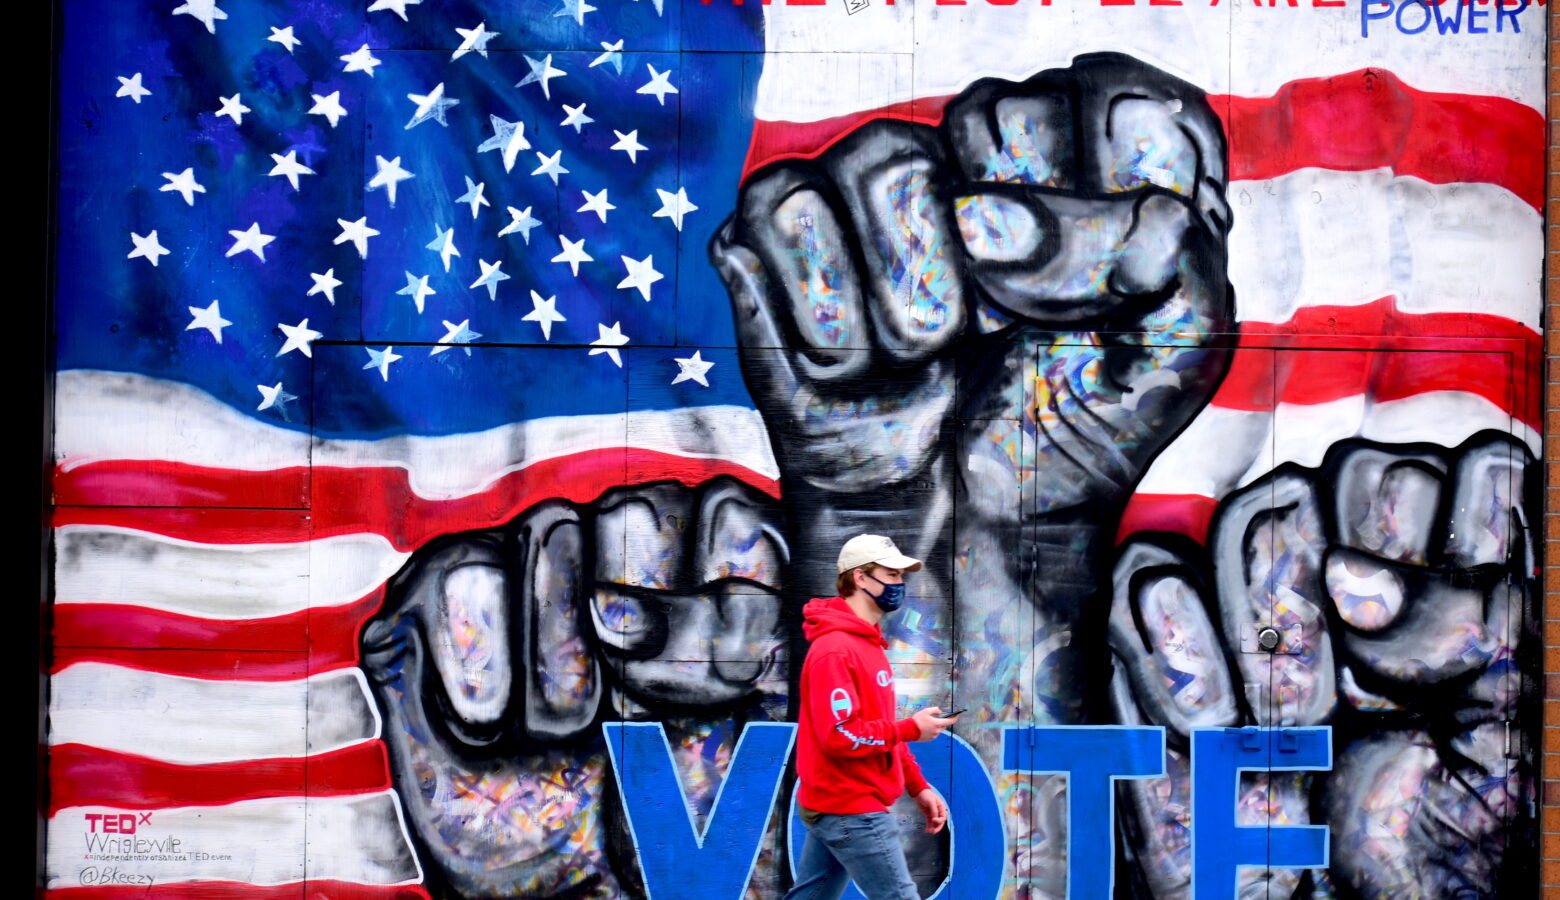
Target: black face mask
column 892, row 597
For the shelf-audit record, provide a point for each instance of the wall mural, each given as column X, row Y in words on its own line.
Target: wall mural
column 457, row 402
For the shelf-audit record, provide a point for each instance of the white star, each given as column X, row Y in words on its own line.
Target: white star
column 147, row 247
column 610, row 339
column 544, row 313
column 692, row 368
column 576, row 117
column 541, row 72
column 573, row 254
column 284, row 36
column 389, row 174
column 274, row 396
column 674, row 206
column 210, row 319
column 299, row 337
column 381, row 360
column 659, row 84
column 233, row 107
column 432, row 105
column 289, row 166
column 613, row 54
column 250, row 239
column 444, row 242
column 358, row 233
column 417, row 289
column 473, row 39
column 508, row 138
column 204, row 11
column 522, row 221
column 596, row 203
column 473, row 195
column 458, row 334
column 360, row 60
column 131, row 87
column 575, row 9
column 491, row 276
column 551, row 166
column 629, row 143
column 328, row 106
column 325, row 284
column 641, row 274
column 396, row 6
column 184, row 183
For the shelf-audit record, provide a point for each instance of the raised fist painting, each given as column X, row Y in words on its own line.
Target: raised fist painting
column 1399, row 582
column 503, row 651
column 539, row 358
column 974, row 338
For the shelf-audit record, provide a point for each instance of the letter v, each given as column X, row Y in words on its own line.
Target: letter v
column 676, row 860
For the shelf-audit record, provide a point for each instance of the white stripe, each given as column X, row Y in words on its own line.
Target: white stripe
column 113, row 415
column 1225, row 449
column 1209, row 457
column 359, row 839
column 1321, row 237
column 116, row 565
column 194, row 721
column 1232, row 48
column 120, row 415
column 1445, row 417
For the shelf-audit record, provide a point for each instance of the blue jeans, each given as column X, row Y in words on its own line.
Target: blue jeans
column 863, row 848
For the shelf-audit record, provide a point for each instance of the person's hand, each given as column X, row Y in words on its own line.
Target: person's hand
column 1402, row 582
column 931, row 722
column 499, row 652
column 933, row 808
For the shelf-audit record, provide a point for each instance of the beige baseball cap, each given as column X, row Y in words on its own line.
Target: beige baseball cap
column 874, row 548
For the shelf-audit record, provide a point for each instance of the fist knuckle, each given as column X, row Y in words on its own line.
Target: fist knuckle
column 688, row 611
column 1171, row 654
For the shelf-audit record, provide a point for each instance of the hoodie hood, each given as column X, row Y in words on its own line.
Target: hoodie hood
column 822, row 615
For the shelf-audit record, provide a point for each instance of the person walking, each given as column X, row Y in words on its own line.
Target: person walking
column 853, row 758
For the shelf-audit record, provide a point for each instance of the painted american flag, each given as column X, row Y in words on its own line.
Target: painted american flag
column 292, row 232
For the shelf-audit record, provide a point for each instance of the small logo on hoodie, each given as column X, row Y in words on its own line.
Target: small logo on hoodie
column 839, row 703
column 883, row 678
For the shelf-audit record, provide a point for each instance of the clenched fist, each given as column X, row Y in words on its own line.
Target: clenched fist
column 973, row 338
column 1400, row 582
column 499, row 653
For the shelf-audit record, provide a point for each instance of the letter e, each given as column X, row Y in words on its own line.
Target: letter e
column 1220, row 848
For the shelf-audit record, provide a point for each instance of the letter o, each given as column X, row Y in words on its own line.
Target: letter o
column 1425, row 23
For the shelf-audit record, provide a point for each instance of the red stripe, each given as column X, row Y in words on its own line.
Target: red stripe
column 80, row 775
column 277, row 648
column 218, row 664
column 1386, row 355
column 774, row 141
column 1347, row 122
column 378, row 500
column 1188, row 514
column 1370, row 120
column 232, row 890
column 209, row 526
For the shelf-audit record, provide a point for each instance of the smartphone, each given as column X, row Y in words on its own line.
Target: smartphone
column 954, row 712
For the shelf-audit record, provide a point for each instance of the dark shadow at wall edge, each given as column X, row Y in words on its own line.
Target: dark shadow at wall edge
column 36, row 346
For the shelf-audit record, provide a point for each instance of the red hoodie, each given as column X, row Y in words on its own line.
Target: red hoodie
column 852, row 757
